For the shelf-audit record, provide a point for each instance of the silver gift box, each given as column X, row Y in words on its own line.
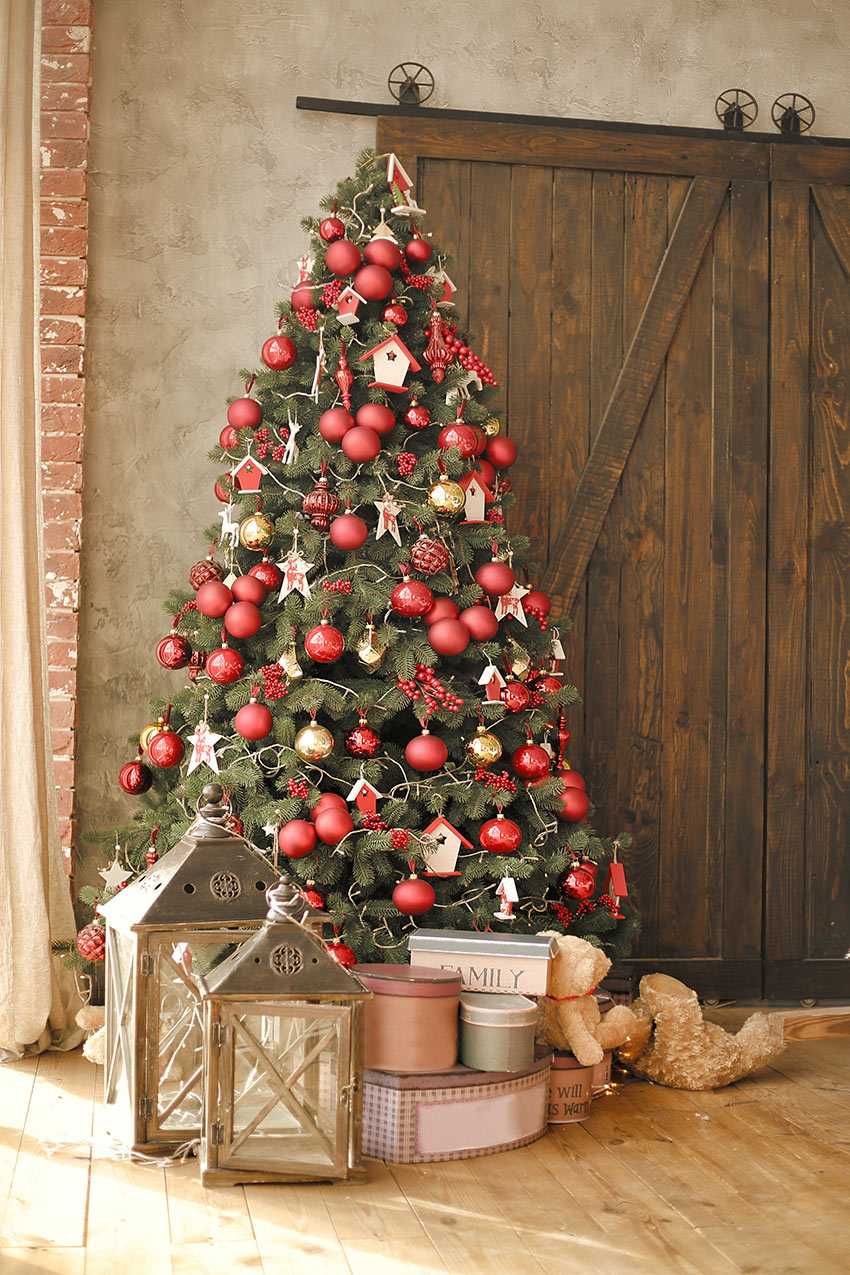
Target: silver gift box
column 512, row 964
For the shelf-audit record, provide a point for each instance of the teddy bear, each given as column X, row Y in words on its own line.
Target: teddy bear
column 92, row 1018
column 569, row 1017
column 674, row 1046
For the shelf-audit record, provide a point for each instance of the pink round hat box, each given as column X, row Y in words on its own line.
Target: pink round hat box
column 411, row 1021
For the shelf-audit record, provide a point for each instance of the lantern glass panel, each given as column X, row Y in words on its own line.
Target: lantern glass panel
column 119, row 1015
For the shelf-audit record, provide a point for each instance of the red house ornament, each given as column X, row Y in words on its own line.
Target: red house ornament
column 365, row 796
column 348, row 304
column 447, row 841
column 391, row 361
column 248, row 474
column 477, row 495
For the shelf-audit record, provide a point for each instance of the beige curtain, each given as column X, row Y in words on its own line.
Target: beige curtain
column 37, row 997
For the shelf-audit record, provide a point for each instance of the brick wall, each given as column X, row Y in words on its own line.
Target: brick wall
column 65, row 93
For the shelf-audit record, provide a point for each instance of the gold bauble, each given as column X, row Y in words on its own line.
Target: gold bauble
column 484, row 748
column 314, row 742
column 492, row 426
column 148, row 732
column 447, row 498
column 256, row 532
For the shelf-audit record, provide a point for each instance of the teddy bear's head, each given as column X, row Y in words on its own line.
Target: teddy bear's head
column 577, row 967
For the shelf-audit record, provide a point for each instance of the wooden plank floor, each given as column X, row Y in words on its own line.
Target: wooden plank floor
column 752, row 1178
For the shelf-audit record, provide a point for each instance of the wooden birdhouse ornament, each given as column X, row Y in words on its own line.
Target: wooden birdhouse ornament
column 477, row 495
column 446, row 842
column 348, row 304
column 248, row 474
column 391, row 362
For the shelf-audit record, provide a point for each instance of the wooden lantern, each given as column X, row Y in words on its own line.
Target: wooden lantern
column 283, row 1058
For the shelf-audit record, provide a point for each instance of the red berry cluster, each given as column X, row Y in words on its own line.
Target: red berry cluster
column 298, row 788
column 421, row 281
column 406, row 463
column 374, row 822
column 331, row 291
column 262, row 450
column 501, row 782
column 274, row 681
column 336, row 586
column 428, row 685
column 262, row 435
column 401, row 837
column 307, row 317
column 279, row 452
column 495, row 515
column 563, row 914
column 610, row 904
column 586, row 905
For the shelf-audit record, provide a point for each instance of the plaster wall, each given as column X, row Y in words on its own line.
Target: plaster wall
column 201, row 169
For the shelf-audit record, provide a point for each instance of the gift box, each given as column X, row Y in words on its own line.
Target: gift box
column 570, row 1089
column 411, row 1021
column 508, row 964
column 456, row 1115
column 497, row 1032
column 601, row 1077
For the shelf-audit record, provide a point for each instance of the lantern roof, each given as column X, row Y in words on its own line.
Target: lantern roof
column 210, row 877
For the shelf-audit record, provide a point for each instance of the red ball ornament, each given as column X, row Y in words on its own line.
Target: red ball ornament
column 213, row 599
column 246, row 413
column 501, row 451
column 460, row 436
column 166, row 749
column 91, row 942
column 173, row 651
column 225, row 665
column 382, row 252
column 416, row 416
column 480, row 440
column 204, row 571
column 571, row 779
column 530, row 761
column 327, row 801
column 343, row 257
column 331, row 228
column 297, row 838
column 334, row 424
column 135, row 778
column 487, row 472
column 414, row 896
column 249, row 589
column 442, row 609
column 313, row 897
column 332, row 825
column 324, row 643
column 515, row 696
column 342, row 954
column 480, row 622
column 495, row 577
column 222, row 493
column 429, row 556
column 348, row 532
column 537, row 603
column 578, row 883
column 395, row 314
column 363, row 741
column 376, row 416
column 253, row 721
column 426, row 752
column 500, row 835
column 548, row 685
column 411, row 598
column 418, row 251
column 361, row 444
column 279, row 352
column 373, row 282
column 267, row 573
column 448, row 637
column 302, row 297
column 228, row 438
column 575, row 804
column 243, row 619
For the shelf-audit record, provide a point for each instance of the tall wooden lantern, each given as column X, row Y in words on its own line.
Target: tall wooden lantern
column 176, row 921
column 283, row 1058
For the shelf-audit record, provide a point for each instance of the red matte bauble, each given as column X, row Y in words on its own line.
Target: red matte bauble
column 448, row 637
column 278, row 352
column 166, row 749
column 331, row 228
column 324, row 643
column 382, row 252
column 373, row 282
column 326, row 802
column 575, row 804
column 395, row 314
column 414, row 896
column 342, row 954
column 334, row 424
column 501, row 451
column 332, row 824
column 363, row 742
column 228, row 438
column 571, row 779
column 456, row 435
column 411, row 597
column 500, row 836
column 348, row 532
column 480, row 622
column 530, row 761
column 417, row 417
column 249, row 589
column 442, row 609
column 267, row 573
column 515, row 696
column 578, row 883
column 243, row 619
column 222, row 493
column 135, row 778
column 302, row 297
column 361, row 444
column 225, row 665
column 426, row 752
column 245, row 413
column 480, row 440
column 536, row 602
column 343, row 257
column 418, row 251
column 213, row 599
column 253, row 721
column 376, row 416
column 496, row 578
column 173, row 651
column 488, row 473
column 296, row 838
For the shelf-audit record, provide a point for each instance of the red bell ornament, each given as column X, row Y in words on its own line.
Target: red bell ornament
column 530, row 761
column 173, row 651
column 332, row 825
column 457, row 435
column 253, row 721
column 375, row 416
column 135, row 778
column 279, row 352
column 228, row 438
column 166, row 749
column 360, row 444
column 324, row 643
column 246, row 413
column 225, row 665
column 515, row 696
column 327, row 801
column 297, row 838
column 348, row 532
column 373, row 282
column 441, row 609
column 417, row 417
column 213, row 599
column 426, row 752
column 500, row 835
column 331, row 228
column 480, row 622
column 243, row 620
column 495, row 578
column 382, row 252
column 334, row 424
column 343, row 257
column 267, row 573
column 448, row 637
column 249, row 589
column 579, row 882
column 575, row 804
column 501, row 451
column 411, row 598
column 342, row 954
column 414, row 896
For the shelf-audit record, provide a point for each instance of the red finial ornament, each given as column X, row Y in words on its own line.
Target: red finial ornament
column 344, row 378
column 321, row 503
column 437, row 354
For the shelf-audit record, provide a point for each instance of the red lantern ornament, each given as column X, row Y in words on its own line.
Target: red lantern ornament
column 279, row 352
column 249, row 589
column 373, row 283
column 331, row 228
column 495, row 577
column 384, row 252
column 243, row 619
column 458, row 435
column 448, row 637
column 342, row 954
column 332, row 824
column 436, row 354
column 537, row 603
column 213, row 599
column 135, row 777
column 348, row 532
column 411, row 597
column 327, row 801
column 500, row 835
column 91, row 942
column 376, row 416
column 343, row 257
column 324, row 643
column 441, row 609
column 429, row 556
column 361, row 444
column 414, row 896
column 253, row 721
column 334, row 424
column 246, row 413
column 530, row 761
column 363, row 741
column 395, row 314
column 426, row 752
column 501, row 451
column 579, row 882
column 575, row 804
column 225, row 665
column 481, row 623
column 267, row 573
column 321, row 504
column 166, row 749
column 173, row 651
column 418, row 250
column 416, row 416
column 228, row 438
column 297, row 838
column 203, row 572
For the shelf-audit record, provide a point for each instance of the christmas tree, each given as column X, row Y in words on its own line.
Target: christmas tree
column 371, row 674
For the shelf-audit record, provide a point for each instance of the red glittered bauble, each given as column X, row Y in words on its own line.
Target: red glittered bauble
column 373, row 282
column 361, row 444
column 363, row 741
column 91, row 942
column 414, row 896
column 382, row 252
column 395, row 314
column 225, row 665
column 213, row 599
column 267, row 573
column 411, row 598
column 348, row 531
column 530, row 761
column 173, row 651
column 228, row 438
column 313, row 897
column 327, row 801
column 334, row 424
column 376, row 416
column 324, row 643
column 500, row 835
column 448, row 637
column 135, row 777
column 418, row 251
column 331, row 228
column 279, row 352
column 480, row 622
column 249, row 589
column 253, row 721
column 246, row 413
column 515, row 696
column 571, row 778
column 332, row 825
column 243, row 619
column 342, row 954
column 460, row 436
column 441, row 609
column 426, row 752
column 501, row 451
column 575, row 804
column 578, row 883
column 536, row 602
column 204, row 571
column 496, row 578
column 429, row 556
column 166, row 749
column 297, row 838
column 417, row 417
column 343, row 257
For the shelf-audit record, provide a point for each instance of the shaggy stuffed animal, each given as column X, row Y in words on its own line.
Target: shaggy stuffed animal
column 674, row 1046
column 92, row 1019
column 569, row 1017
